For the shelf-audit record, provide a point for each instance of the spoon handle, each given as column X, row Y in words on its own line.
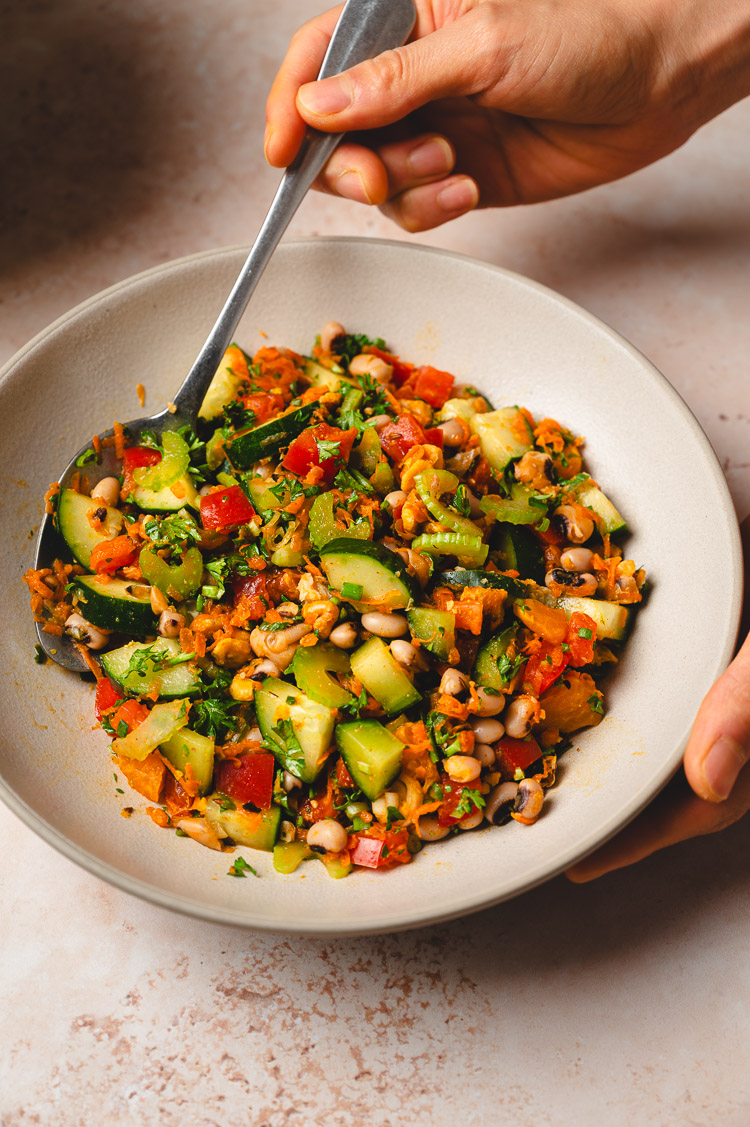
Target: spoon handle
column 365, row 29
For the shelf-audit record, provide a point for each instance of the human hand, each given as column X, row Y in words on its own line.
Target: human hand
column 499, row 102
column 715, row 767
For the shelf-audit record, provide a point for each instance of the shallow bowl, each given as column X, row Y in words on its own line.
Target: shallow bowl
column 518, row 342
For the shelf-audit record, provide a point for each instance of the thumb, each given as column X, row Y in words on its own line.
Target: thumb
column 719, row 744
column 458, row 59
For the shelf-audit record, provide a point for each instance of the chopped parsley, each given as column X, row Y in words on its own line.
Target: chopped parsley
column 328, row 449
column 585, row 632
column 240, row 868
column 595, row 703
column 349, row 345
column 87, row 457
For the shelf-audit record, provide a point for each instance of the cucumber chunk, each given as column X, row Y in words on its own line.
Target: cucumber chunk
column 319, row 376
column 115, row 604
column 171, row 499
column 298, row 730
column 456, row 409
column 312, row 667
column 255, row 829
column 184, row 577
column 471, row 577
column 503, row 435
column 191, row 747
column 486, row 670
column 72, row 520
column 380, row 573
column 267, row 439
column 435, row 629
column 162, row 722
column 289, row 855
column 371, row 753
column 520, row 551
column 592, row 497
column 524, row 506
column 148, row 673
column 612, row 620
column 223, row 388
column 383, row 677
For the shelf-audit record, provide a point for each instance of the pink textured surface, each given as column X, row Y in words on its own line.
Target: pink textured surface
column 131, row 135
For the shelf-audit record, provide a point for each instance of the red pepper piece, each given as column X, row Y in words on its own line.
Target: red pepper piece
column 226, row 508
column 544, row 667
column 133, row 458
column 249, row 778
column 106, row 697
column 514, row 755
column 401, row 370
column 452, row 794
column 304, row 452
column 261, row 404
column 580, row 638
column 433, row 386
column 398, row 437
column 343, row 778
column 110, row 555
column 435, row 437
column 367, row 852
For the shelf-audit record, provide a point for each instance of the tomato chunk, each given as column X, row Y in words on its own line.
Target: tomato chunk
column 514, row 755
column 226, row 508
column 343, row 778
column 402, row 371
column 110, row 555
column 249, row 778
column 106, row 697
column 433, row 386
column 544, row 667
column 132, row 713
column 453, row 793
column 435, row 437
column 311, row 448
column 251, row 594
column 398, row 437
column 367, row 852
column 580, row 639
column 133, row 459
column 261, row 404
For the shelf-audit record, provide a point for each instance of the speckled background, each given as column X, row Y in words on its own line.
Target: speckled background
column 131, row 135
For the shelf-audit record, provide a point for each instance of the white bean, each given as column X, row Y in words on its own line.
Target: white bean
column 384, row 625
column 205, row 490
column 344, row 636
column 288, row 610
column 485, row 753
column 159, row 600
column 329, row 332
column 367, row 364
column 499, row 803
column 107, row 491
column 266, row 668
column 83, row 631
column 404, row 652
column 431, row 830
column 327, row 834
column 520, row 716
column 529, row 802
column 486, row 730
column 379, row 421
column 290, row 781
column 490, row 703
column 453, row 432
column 462, row 768
column 262, row 471
column 576, row 559
column 453, row 682
column 472, row 821
column 170, row 623
column 288, row 832
column 396, row 498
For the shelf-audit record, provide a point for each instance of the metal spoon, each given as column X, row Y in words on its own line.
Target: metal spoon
column 365, row 29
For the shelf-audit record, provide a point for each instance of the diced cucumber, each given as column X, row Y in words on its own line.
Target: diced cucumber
column 169, row 681
column 288, row 855
column 520, row 551
column 371, row 753
column 382, row 676
column 188, row 747
column 591, row 497
column 72, row 520
column 323, row 528
column 455, row 409
column 261, row 496
column 470, row 577
column 223, row 388
column 215, row 449
column 183, row 578
column 524, row 506
column 486, row 671
column 162, row 722
column 115, row 604
column 366, row 456
column 298, row 730
column 263, row 441
column 312, row 667
column 381, row 574
column 320, row 376
column 612, row 619
column 335, row 865
column 168, row 500
column 173, row 465
column 255, row 829
column 435, row 629
column 503, row 435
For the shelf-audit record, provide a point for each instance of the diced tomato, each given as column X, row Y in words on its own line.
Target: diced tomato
column 452, row 794
column 134, row 458
column 401, row 370
column 549, row 536
column 176, row 799
column 106, row 696
column 251, row 594
column 433, row 386
column 110, row 555
column 367, row 852
column 435, row 437
column 544, row 667
column 513, row 755
column 398, row 437
column 249, row 778
column 580, row 639
column 226, row 508
column 304, row 452
column 132, row 713
column 343, row 778
column 261, row 404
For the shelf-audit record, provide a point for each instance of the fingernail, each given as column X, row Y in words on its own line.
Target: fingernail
column 351, row 185
column 461, row 195
column 326, row 97
column 266, row 138
column 430, row 158
column 722, row 765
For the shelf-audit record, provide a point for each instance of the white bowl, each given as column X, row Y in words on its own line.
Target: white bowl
column 517, row 341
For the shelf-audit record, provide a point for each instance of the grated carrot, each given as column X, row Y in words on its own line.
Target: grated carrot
column 119, row 437
column 140, row 391
column 53, row 490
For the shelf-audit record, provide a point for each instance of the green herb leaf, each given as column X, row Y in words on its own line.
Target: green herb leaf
column 240, row 868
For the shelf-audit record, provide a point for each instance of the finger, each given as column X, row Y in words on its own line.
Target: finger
column 355, row 173
column 460, row 58
column 676, row 815
column 421, row 209
column 719, row 743
column 284, row 126
column 359, row 173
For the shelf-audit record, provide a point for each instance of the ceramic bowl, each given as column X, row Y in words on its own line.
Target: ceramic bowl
column 517, row 341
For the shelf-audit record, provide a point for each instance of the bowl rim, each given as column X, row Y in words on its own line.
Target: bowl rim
column 543, row 871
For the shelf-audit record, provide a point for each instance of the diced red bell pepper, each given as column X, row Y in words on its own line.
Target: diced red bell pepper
column 544, row 667
column 226, row 508
column 106, row 697
column 398, row 437
column 581, row 637
column 249, row 778
column 343, row 778
column 452, row 794
column 304, row 452
column 251, row 593
column 402, row 371
column 131, row 712
column 433, row 386
column 435, row 437
column 367, row 852
column 110, row 555
column 261, row 404
column 513, row 755
column 133, row 459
